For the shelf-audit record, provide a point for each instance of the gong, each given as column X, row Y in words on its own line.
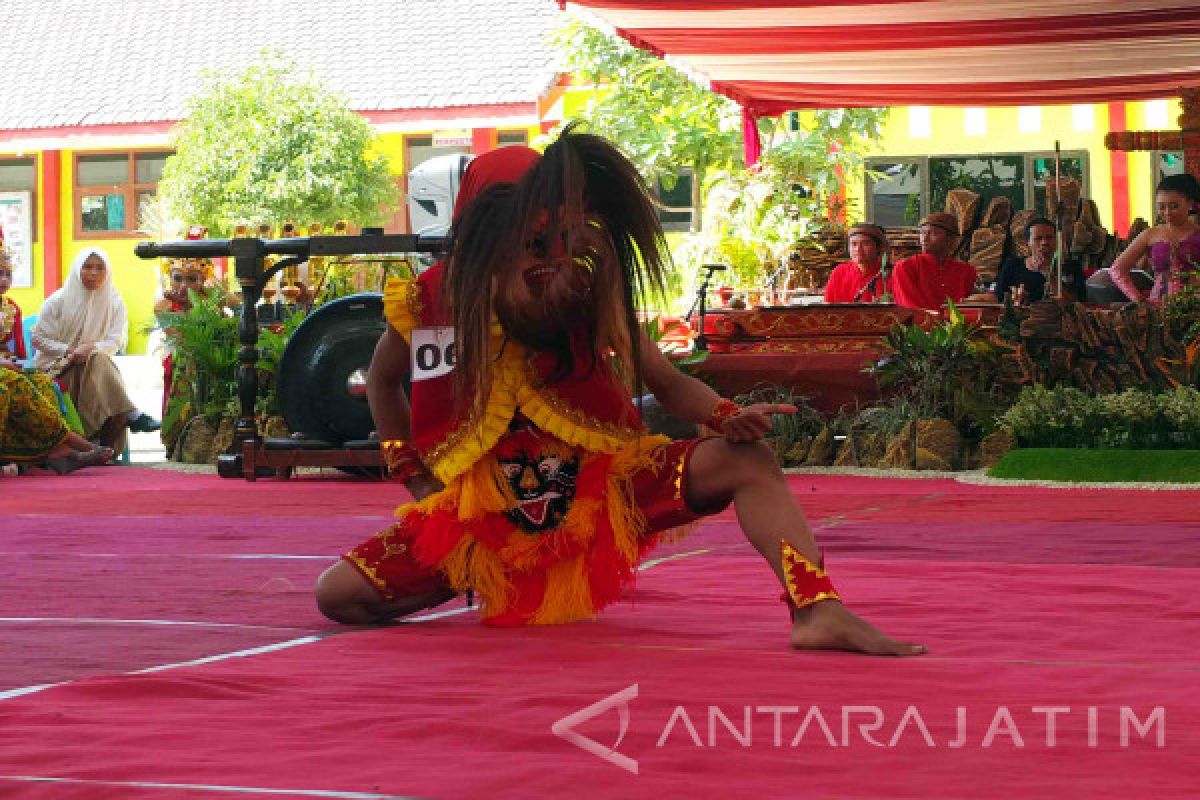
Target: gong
column 323, row 372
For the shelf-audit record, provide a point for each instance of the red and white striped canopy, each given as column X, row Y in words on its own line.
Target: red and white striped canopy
column 775, row 55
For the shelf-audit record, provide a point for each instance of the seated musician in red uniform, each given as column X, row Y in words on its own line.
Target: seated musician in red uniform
column 930, row 279
column 535, row 484
column 861, row 279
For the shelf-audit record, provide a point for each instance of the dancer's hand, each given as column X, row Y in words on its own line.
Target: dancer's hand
column 753, row 422
column 422, row 485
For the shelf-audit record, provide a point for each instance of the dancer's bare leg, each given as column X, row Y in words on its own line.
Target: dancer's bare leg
column 345, row 596
column 749, row 475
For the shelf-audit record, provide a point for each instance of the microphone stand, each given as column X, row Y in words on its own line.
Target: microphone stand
column 701, row 303
column 1060, row 214
column 881, row 273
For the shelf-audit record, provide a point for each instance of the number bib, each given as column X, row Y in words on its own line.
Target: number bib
column 432, row 352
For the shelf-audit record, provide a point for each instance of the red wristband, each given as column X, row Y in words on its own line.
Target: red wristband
column 401, row 458
column 721, row 413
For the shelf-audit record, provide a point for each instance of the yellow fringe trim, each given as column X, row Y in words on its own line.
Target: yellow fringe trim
column 402, row 305
column 483, row 490
column 470, row 565
column 554, row 417
column 524, row 550
column 627, row 521
column 441, row 501
column 568, row 596
column 475, row 438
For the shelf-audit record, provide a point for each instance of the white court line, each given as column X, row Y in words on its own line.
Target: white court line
column 29, row 689
column 654, row 562
column 438, row 615
column 204, row 787
column 252, row 651
column 165, row 622
column 4, row 695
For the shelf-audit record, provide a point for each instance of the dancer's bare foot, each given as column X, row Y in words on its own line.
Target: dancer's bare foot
column 829, row 625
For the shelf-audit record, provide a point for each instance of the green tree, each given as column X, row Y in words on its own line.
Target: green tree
column 662, row 120
column 669, row 125
column 268, row 145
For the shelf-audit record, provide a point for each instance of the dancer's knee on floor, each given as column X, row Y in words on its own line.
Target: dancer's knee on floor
column 343, row 595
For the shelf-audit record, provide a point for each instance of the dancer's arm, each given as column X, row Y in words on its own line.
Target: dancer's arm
column 693, row 400
column 389, row 402
column 1123, row 266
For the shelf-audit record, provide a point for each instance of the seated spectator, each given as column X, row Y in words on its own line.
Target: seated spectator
column 861, row 279
column 80, row 328
column 930, row 279
column 1026, row 278
column 34, row 432
column 1173, row 245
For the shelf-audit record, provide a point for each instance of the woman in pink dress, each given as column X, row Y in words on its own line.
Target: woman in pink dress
column 1173, row 245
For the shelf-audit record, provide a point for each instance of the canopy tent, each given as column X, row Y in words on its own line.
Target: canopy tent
column 772, row 56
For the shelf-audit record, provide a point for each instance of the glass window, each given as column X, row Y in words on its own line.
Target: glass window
column 18, row 174
column 1167, row 164
column 102, row 212
column 103, row 170
column 900, row 191
column 111, row 189
column 509, row 138
column 1042, row 167
column 894, row 193
column 148, row 167
column 987, row 176
column 677, row 216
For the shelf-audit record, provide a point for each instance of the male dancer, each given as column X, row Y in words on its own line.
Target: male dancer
column 535, row 484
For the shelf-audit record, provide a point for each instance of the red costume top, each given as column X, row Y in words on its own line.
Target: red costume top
column 12, row 334
column 920, row 282
column 848, row 280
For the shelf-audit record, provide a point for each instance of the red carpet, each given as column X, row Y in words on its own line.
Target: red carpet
column 1028, row 598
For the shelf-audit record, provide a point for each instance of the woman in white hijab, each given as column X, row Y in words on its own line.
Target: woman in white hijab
column 79, row 329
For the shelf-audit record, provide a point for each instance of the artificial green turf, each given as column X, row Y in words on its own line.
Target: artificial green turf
column 1106, row 466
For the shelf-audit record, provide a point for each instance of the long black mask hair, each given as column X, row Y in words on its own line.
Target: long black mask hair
column 586, row 194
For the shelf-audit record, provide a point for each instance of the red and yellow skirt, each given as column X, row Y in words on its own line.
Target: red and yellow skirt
column 542, row 539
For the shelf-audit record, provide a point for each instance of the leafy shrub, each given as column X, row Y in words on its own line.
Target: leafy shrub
column 948, row 371
column 1133, row 419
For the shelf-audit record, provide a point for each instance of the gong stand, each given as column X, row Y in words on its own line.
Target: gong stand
column 247, row 453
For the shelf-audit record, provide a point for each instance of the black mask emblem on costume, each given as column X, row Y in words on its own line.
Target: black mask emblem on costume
column 544, row 486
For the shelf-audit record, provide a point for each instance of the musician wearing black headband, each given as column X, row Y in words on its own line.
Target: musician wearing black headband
column 861, row 279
